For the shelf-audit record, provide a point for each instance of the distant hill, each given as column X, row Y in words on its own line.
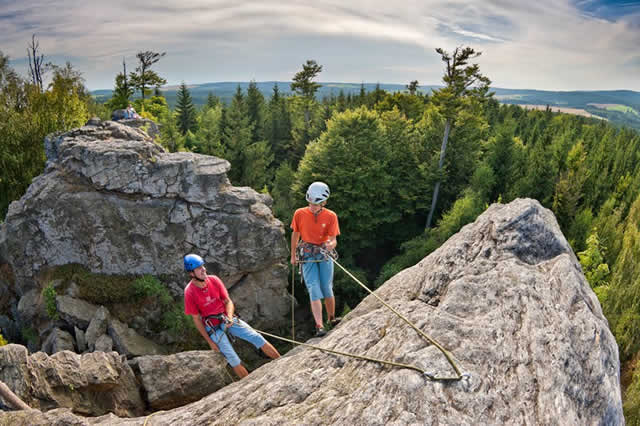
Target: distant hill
column 618, row 106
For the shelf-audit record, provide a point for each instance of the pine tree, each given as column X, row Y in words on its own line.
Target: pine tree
column 303, row 83
column 459, row 80
column 144, row 76
column 255, row 111
column 236, row 136
column 186, row 111
column 278, row 126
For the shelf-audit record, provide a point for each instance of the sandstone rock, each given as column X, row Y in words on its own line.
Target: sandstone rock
column 29, row 306
column 75, row 312
column 81, row 340
column 103, row 343
column 14, row 371
column 97, row 326
column 114, row 203
column 506, row 296
column 129, row 343
column 58, row 340
column 175, row 380
column 91, row 384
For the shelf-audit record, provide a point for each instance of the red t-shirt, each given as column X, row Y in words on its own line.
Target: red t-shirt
column 315, row 229
column 206, row 301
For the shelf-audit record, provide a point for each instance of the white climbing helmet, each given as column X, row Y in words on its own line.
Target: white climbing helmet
column 318, row 192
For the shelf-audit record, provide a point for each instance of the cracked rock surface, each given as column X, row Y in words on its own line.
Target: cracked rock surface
column 506, row 296
column 115, row 202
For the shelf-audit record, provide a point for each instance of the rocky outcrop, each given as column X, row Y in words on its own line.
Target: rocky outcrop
column 91, row 384
column 115, row 204
column 96, row 383
column 506, row 296
column 175, row 380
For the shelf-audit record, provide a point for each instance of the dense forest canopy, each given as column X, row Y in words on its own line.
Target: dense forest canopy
column 379, row 152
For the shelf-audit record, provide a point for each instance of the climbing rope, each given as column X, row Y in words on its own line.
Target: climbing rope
column 430, row 375
column 293, row 303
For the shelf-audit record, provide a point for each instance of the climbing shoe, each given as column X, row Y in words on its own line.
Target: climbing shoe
column 320, row 332
column 335, row 321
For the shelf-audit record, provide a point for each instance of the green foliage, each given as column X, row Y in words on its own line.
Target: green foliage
column 122, row 92
column 277, row 127
column 30, row 335
column 49, row 296
column 144, row 76
column 631, row 400
column 579, row 228
column 284, row 199
column 303, row 83
column 186, row 111
column 3, row 341
column 180, row 327
column 354, row 158
column 592, row 261
column 170, row 136
column 27, row 115
column 464, row 211
column 149, row 286
column 208, row 138
column 249, row 160
column 98, row 289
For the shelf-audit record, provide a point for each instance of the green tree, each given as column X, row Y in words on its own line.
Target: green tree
column 27, row 115
column 144, row 76
column 303, row 83
column 256, row 111
column 412, row 87
column 593, row 262
column 461, row 81
column 170, row 136
column 277, row 127
column 123, row 90
column 568, row 192
column 249, row 160
column 209, row 135
column 186, row 111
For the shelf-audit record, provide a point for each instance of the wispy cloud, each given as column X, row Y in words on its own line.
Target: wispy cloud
column 548, row 44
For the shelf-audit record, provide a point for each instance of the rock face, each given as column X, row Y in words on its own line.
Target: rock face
column 91, row 384
column 175, row 380
column 506, row 296
column 115, row 203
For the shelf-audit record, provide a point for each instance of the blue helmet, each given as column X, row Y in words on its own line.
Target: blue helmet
column 192, row 261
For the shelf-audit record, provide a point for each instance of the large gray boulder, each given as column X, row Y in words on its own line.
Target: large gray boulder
column 506, row 296
column 91, row 384
column 114, row 203
column 175, row 380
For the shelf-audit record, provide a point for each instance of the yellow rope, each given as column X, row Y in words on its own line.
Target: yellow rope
column 431, row 376
column 148, row 417
column 431, row 340
column 293, row 302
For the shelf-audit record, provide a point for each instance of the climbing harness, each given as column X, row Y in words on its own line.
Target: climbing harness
column 430, row 375
column 223, row 320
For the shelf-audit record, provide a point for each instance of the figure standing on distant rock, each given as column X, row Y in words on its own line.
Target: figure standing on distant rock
column 207, row 301
column 130, row 113
column 318, row 228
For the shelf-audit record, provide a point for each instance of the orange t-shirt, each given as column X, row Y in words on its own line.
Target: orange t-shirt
column 315, row 229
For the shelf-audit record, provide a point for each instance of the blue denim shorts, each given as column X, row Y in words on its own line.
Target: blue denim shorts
column 318, row 277
column 239, row 329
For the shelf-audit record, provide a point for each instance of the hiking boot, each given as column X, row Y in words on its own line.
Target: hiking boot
column 335, row 321
column 320, row 332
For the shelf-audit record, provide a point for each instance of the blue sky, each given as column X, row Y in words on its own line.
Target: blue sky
column 543, row 44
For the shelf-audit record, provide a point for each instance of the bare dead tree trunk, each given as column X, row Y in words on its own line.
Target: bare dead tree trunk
column 11, row 398
column 35, row 62
column 434, row 200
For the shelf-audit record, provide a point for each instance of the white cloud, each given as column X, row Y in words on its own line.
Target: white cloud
column 543, row 45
